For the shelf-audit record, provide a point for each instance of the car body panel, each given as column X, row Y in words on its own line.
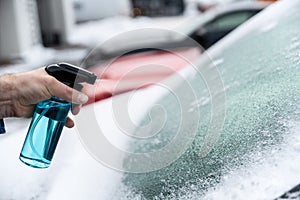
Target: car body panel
column 139, row 70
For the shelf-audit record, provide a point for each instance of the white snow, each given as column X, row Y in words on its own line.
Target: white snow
column 95, row 33
column 279, row 171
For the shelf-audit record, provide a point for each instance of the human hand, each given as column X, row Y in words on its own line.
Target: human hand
column 20, row 92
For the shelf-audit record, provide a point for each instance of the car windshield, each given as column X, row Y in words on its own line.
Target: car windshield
column 233, row 122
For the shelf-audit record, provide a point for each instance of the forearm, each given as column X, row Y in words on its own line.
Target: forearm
column 6, row 96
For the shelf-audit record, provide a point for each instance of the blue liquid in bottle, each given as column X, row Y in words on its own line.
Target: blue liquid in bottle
column 45, row 129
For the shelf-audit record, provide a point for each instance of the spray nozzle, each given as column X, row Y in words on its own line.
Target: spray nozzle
column 71, row 75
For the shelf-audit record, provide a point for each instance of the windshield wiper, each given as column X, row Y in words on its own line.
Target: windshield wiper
column 293, row 193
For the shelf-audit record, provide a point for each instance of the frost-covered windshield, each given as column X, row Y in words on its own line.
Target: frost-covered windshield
column 256, row 153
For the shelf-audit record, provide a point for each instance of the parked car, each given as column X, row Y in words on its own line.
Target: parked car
column 229, row 129
column 206, row 29
column 245, row 144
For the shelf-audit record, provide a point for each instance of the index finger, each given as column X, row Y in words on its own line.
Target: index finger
column 56, row 88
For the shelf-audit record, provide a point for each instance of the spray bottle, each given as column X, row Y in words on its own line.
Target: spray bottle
column 50, row 116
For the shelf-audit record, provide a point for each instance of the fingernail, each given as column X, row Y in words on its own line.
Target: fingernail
column 82, row 98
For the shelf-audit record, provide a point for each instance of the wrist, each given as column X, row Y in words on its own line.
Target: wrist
column 7, row 95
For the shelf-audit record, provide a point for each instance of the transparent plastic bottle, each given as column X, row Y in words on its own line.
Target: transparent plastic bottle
column 50, row 116
column 44, row 132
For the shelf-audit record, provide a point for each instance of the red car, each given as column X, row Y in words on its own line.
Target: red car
column 139, row 70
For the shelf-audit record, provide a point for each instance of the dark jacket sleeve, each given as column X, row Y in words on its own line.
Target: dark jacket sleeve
column 2, row 126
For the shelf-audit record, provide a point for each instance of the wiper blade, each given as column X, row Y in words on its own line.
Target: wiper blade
column 293, row 193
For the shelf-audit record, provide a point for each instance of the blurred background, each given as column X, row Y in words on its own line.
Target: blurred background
column 113, row 39
column 36, row 32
